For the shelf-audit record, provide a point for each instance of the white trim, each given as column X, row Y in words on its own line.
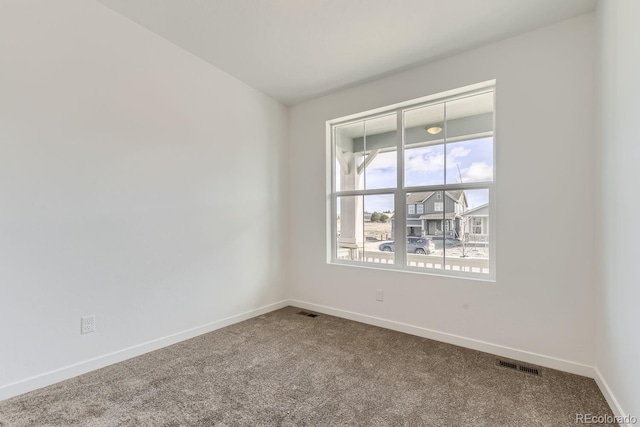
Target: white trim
column 609, row 396
column 57, row 375
column 52, row 377
column 424, row 101
column 402, row 210
column 499, row 350
column 496, row 349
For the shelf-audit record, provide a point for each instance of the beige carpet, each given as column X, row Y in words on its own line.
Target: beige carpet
column 285, row 369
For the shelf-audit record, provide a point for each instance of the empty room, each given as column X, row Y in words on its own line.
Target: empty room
column 319, row 213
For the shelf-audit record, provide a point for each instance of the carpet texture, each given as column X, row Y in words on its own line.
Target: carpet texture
column 285, row 369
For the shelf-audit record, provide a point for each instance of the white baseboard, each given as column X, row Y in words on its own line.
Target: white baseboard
column 51, row 377
column 608, row 395
column 508, row 352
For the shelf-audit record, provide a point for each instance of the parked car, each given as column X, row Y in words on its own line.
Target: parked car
column 449, row 234
column 415, row 245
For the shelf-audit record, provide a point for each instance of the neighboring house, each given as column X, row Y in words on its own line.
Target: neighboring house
column 477, row 224
column 433, row 213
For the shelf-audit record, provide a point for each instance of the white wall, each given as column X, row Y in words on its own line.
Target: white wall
column 618, row 320
column 137, row 183
column 542, row 301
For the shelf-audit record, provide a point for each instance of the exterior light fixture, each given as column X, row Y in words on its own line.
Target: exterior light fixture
column 434, row 130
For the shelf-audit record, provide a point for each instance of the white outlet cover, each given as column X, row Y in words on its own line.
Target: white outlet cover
column 87, row 324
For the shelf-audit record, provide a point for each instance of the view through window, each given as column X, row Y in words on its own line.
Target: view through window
column 412, row 187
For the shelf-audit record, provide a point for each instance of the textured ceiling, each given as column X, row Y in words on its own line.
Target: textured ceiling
column 294, row 50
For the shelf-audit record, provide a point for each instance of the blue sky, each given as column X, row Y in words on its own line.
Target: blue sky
column 467, row 161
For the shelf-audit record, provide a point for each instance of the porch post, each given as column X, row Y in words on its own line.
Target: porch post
column 351, row 208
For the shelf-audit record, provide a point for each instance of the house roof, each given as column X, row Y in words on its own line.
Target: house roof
column 421, row 196
column 414, row 198
column 448, row 215
column 455, row 194
column 470, row 212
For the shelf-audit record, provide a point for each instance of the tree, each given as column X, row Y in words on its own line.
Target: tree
column 375, row 217
column 463, row 239
column 384, row 218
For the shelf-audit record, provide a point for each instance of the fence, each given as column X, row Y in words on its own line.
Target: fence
column 468, row 264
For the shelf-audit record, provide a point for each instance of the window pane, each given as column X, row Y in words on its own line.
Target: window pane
column 365, row 154
column 466, row 244
column 470, row 161
column 469, row 128
column 350, row 157
column 424, row 148
column 452, row 234
column 364, row 227
column 424, row 227
column 349, row 226
column 472, row 253
column 378, row 228
column 380, row 142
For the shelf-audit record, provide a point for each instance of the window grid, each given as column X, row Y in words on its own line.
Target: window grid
column 400, row 191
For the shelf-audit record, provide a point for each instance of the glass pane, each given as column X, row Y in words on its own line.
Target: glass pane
column 425, row 229
column 466, row 239
column 380, row 142
column 350, row 156
column 424, row 146
column 349, row 226
column 470, row 161
column 364, row 226
column 378, row 228
column 453, row 231
column 469, row 135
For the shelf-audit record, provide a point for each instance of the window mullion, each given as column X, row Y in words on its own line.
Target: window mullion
column 333, row 228
column 400, row 214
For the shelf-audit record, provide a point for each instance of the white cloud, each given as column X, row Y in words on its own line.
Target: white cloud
column 424, row 160
column 477, row 172
column 457, row 152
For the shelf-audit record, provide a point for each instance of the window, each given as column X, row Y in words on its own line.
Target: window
column 433, row 157
column 476, row 225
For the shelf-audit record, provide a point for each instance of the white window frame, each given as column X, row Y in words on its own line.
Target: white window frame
column 412, row 210
column 400, row 191
column 419, row 209
column 438, row 207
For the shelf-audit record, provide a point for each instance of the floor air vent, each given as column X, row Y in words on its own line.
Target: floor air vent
column 521, row 368
column 304, row 313
column 507, row 364
column 529, row 370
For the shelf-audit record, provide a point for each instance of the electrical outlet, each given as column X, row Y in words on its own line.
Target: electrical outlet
column 379, row 295
column 87, row 324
